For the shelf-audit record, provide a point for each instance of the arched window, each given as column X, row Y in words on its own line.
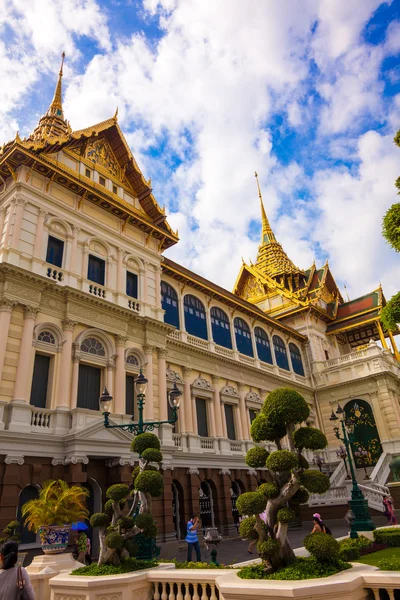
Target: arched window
column 263, row 345
column 195, row 317
column 169, row 302
column 92, row 346
column 243, row 337
column 46, row 337
column 132, row 360
column 30, row 492
column 297, row 362
column 281, row 356
column 220, row 326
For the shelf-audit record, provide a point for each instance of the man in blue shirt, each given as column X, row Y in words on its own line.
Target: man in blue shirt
column 192, row 539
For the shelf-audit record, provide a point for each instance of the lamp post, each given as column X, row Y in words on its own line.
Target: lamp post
column 341, row 453
column 140, row 426
column 358, row 505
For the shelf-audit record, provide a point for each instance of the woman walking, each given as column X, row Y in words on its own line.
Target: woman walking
column 13, row 579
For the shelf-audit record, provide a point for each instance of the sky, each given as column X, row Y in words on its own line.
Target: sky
column 305, row 93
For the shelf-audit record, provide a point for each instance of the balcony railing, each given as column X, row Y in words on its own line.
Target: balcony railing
column 41, row 418
column 54, row 273
column 236, row 446
column 207, row 443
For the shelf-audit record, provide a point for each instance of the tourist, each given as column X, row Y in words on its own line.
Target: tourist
column 319, row 525
column 192, row 538
column 389, row 510
column 10, row 574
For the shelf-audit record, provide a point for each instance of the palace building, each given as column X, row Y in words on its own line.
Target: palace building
column 87, row 299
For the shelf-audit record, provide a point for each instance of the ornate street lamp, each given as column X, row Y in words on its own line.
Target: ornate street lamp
column 358, row 505
column 141, row 426
column 362, row 455
column 319, row 461
column 341, row 453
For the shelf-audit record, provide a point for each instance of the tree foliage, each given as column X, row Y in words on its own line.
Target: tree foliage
column 286, row 471
column 390, row 314
column 119, row 532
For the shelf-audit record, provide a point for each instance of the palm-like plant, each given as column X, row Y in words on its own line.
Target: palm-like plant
column 58, row 504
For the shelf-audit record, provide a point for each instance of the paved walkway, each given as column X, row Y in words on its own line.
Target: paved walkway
column 234, row 550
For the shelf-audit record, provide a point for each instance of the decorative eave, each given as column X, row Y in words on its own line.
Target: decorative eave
column 185, row 276
column 18, row 154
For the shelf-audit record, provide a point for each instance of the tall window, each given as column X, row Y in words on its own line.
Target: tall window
column 40, row 381
column 201, row 413
column 131, row 284
column 220, row 326
column 30, row 492
column 89, row 387
column 280, row 353
column 130, row 395
column 96, row 269
column 297, row 362
column 243, row 337
column 55, row 251
column 169, row 302
column 263, row 345
column 195, row 317
column 252, row 414
column 230, row 421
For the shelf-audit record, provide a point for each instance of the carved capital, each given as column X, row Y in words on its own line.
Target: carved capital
column 186, row 371
column 68, row 325
column 148, row 349
column 14, row 459
column 252, row 472
column 215, row 379
column 7, row 305
column 120, row 340
column 57, row 461
column 75, row 230
column 42, row 213
column 162, row 353
column 74, row 460
column 120, row 462
column 30, row 312
column 224, row 472
column 193, row 471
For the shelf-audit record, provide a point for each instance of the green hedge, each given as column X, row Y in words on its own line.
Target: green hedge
column 390, row 537
column 126, row 566
column 302, row 568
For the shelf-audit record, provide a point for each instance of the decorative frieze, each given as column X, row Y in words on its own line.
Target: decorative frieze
column 173, row 376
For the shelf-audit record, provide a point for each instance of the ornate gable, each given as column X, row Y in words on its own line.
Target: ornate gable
column 98, row 152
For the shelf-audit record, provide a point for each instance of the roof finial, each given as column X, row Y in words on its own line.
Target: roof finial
column 56, row 104
column 347, row 293
column 267, row 235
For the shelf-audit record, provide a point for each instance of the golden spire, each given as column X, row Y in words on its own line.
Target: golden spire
column 53, row 125
column 267, row 235
column 55, row 107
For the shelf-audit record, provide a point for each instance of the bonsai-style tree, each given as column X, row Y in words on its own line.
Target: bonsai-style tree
column 287, row 473
column 11, row 532
column 117, row 531
column 57, row 504
column 390, row 314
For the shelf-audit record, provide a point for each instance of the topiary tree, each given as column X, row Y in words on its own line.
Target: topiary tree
column 119, row 532
column 11, row 532
column 287, row 474
column 390, row 314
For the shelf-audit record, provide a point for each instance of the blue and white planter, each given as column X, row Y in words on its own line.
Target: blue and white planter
column 54, row 538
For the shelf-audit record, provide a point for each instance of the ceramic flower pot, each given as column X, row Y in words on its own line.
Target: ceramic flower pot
column 54, row 538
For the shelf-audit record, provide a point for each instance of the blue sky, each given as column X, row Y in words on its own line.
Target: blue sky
column 307, row 94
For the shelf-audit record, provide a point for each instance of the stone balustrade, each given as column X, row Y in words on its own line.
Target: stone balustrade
column 167, row 583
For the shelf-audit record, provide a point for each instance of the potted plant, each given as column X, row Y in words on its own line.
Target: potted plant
column 53, row 512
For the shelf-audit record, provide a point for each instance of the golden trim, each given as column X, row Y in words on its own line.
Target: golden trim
column 355, row 326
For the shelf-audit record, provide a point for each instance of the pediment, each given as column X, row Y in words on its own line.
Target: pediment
column 98, row 152
column 98, row 433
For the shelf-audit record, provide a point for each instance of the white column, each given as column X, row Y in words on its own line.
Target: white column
column 238, row 423
column 149, row 400
column 2, row 218
column 37, row 249
column 187, row 420
column 64, row 377
column 120, row 377
column 110, row 377
column 181, row 312
column 10, row 218
column 157, row 273
column 6, row 308
column 74, row 382
column 217, row 407
column 162, row 385
column 253, row 341
column 74, row 245
column 224, row 428
column 23, row 381
column 209, row 328
column 19, row 213
column 120, row 271
column 145, row 282
column 233, row 336
column 243, row 416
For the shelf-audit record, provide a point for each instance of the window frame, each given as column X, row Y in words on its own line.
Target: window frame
column 99, row 259
column 132, row 274
column 282, row 363
column 165, row 304
column 217, row 327
column 239, row 337
column 296, row 359
column 191, row 317
column 267, row 338
column 207, row 424
column 61, row 241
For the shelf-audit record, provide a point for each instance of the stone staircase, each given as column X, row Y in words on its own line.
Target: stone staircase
column 374, row 488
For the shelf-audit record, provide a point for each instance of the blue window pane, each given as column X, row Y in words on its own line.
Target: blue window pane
column 131, row 285
column 96, row 269
column 220, row 327
column 263, row 345
column 297, row 362
column 195, row 317
column 169, row 302
column 243, row 337
column 55, row 251
column 281, row 356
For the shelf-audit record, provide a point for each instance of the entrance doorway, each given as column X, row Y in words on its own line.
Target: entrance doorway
column 366, row 434
column 206, row 506
column 178, row 510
